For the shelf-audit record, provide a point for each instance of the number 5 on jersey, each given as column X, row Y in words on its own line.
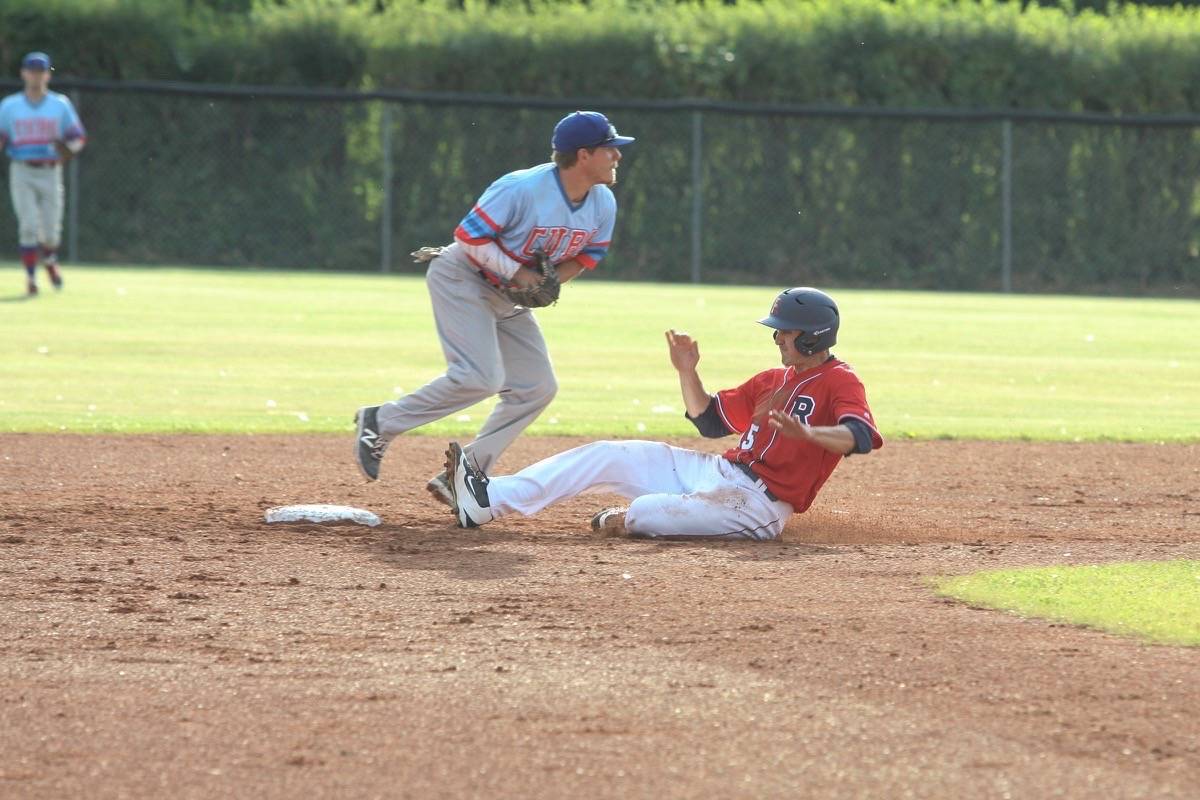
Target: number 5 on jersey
column 748, row 439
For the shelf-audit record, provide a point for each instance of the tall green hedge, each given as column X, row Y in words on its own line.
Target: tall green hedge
column 868, row 201
column 846, row 52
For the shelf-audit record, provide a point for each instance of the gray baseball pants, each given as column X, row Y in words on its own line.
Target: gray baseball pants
column 492, row 348
column 37, row 198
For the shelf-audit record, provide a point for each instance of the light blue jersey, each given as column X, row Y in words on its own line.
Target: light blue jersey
column 28, row 131
column 527, row 209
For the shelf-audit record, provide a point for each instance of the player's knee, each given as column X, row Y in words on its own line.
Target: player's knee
column 610, row 456
column 545, row 390
column 483, row 382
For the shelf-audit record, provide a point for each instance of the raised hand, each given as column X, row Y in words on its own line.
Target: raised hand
column 684, row 350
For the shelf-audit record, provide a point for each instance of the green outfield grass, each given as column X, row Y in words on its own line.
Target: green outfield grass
column 1159, row 601
column 154, row 350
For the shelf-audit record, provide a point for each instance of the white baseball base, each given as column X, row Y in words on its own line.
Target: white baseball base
column 321, row 512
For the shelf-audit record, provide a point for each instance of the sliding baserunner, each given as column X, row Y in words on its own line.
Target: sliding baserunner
column 796, row 423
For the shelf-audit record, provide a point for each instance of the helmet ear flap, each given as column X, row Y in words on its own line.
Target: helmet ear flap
column 806, row 343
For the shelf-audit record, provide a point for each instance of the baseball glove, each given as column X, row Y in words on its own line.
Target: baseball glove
column 426, row 254
column 65, row 153
column 545, row 293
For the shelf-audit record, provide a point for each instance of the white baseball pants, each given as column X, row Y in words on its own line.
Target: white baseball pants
column 37, row 198
column 674, row 492
column 491, row 347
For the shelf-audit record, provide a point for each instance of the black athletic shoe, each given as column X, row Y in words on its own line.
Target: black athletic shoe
column 55, row 276
column 468, row 489
column 368, row 446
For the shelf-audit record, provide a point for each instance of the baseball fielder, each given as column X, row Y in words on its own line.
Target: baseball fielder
column 795, row 424
column 493, row 345
column 40, row 130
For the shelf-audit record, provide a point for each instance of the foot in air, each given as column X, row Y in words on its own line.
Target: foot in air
column 55, row 276
column 368, row 444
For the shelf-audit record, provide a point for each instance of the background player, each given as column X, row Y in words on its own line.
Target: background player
column 40, row 130
column 565, row 208
column 796, row 423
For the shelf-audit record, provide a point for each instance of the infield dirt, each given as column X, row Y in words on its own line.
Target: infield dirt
column 160, row 640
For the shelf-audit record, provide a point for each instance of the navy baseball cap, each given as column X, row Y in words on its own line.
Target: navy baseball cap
column 586, row 129
column 35, row 60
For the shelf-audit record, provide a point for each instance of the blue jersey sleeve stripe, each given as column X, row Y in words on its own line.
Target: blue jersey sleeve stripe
column 481, row 214
column 463, row 235
column 476, row 228
column 479, row 223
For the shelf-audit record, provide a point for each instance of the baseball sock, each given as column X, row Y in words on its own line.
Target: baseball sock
column 29, row 257
column 50, row 259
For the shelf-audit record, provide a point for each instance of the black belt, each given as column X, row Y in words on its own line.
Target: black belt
column 40, row 164
column 761, row 483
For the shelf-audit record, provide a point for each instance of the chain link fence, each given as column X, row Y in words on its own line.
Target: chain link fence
column 719, row 193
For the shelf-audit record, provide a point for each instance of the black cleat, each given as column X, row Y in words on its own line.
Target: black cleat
column 368, row 446
column 439, row 488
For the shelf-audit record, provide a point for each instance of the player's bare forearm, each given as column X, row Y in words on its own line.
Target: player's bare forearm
column 695, row 399
column 685, row 356
column 834, row 438
column 568, row 270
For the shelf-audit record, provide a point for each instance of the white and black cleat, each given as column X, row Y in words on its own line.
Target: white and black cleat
column 610, row 521
column 368, row 445
column 439, row 489
column 468, row 489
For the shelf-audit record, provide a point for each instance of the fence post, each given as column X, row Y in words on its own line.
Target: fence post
column 697, row 192
column 385, row 230
column 1006, row 205
column 73, row 198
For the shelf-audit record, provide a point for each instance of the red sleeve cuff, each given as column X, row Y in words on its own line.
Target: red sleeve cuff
column 461, row 234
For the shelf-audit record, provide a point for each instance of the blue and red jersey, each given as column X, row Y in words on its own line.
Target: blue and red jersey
column 29, row 130
column 529, row 208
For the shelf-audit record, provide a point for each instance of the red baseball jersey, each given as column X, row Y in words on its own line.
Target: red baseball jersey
column 794, row 470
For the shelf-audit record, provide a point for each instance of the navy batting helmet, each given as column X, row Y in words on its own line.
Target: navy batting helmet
column 810, row 311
